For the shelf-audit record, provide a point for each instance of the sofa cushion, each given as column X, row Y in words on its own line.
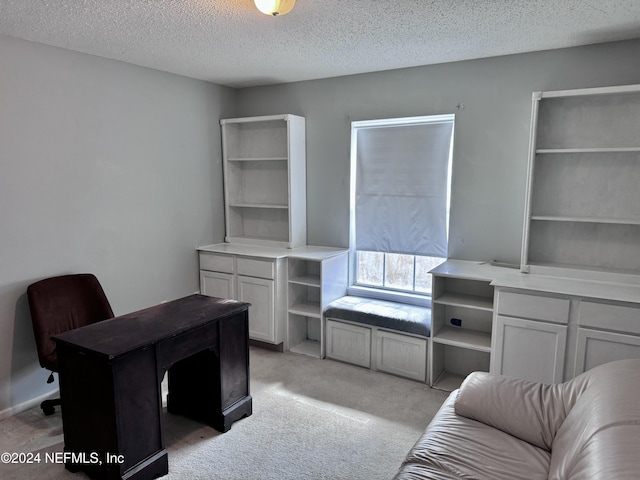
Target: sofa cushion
column 458, row 447
column 609, row 454
column 381, row 313
column 599, row 438
column 530, row 411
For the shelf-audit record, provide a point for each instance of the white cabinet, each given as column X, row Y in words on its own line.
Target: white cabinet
column 217, row 284
column 260, row 293
column 349, row 343
column 550, row 328
column 250, row 274
column 596, row 347
column 461, row 321
column 530, row 336
column 287, row 288
column 316, row 277
column 581, row 226
column 529, row 349
column 264, row 163
column 582, row 215
column 401, row 355
column 544, row 328
column 606, row 332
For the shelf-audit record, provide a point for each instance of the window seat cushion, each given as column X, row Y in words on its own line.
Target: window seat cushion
column 382, row 313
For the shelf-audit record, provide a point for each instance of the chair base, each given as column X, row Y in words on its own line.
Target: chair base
column 49, row 406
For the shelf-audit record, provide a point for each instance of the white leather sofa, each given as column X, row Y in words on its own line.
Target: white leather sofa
column 496, row 427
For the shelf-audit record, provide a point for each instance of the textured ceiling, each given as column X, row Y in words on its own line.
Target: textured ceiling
column 230, row 43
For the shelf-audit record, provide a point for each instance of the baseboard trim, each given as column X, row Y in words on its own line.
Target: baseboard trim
column 11, row 411
column 266, row 346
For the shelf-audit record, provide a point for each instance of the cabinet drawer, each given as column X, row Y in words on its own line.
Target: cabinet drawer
column 535, row 307
column 216, row 263
column 606, row 316
column 252, row 267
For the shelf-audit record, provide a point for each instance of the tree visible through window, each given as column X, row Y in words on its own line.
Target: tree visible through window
column 400, row 191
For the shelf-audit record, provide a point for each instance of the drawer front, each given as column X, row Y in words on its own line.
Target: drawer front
column 620, row 318
column 534, row 307
column 216, row 263
column 252, row 267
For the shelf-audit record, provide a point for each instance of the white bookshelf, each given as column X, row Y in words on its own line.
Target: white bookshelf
column 582, row 213
column 264, row 166
column 316, row 277
column 461, row 320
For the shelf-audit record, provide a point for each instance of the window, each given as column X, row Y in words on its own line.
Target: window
column 400, row 191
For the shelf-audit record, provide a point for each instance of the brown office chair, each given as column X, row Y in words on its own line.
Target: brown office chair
column 60, row 304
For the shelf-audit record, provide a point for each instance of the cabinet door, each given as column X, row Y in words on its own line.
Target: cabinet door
column 529, row 349
column 217, row 284
column 597, row 347
column 401, row 355
column 349, row 343
column 259, row 292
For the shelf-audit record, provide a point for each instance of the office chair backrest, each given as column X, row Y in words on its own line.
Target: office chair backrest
column 63, row 303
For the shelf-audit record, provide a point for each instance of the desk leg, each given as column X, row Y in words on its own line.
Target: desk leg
column 111, row 415
column 212, row 386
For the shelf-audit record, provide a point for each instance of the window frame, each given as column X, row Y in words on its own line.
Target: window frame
column 382, row 292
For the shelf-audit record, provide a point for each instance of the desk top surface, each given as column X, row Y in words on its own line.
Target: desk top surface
column 132, row 331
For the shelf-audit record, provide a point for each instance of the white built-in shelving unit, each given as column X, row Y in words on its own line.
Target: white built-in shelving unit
column 316, row 277
column 583, row 202
column 461, row 320
column 264, row 164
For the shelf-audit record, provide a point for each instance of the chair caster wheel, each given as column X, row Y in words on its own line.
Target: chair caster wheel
column 48, row 410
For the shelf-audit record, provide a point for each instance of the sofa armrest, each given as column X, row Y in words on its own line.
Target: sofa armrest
column 530, row 411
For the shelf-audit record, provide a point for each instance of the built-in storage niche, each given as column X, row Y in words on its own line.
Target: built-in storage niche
column 305, row 314
column 316, row 277
column 583, row 201
column 461, row 322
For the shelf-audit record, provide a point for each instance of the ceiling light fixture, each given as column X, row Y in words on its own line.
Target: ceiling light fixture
column 274, row 7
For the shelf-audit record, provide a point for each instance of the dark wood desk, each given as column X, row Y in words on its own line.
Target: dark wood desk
column 110, row 376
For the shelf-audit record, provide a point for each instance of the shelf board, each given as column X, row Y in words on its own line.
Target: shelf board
column 468, row 301
column 464, row 338
column 307, row 347
column 588, row 150
column 308, row 280
column 448, row 381
column 256, row 159
column 276, row 206
column 582, row 219
column 306, row 309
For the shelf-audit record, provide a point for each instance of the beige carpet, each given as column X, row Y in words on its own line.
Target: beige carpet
column 312, row 419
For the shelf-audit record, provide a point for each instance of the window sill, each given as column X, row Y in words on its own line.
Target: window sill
column 390, row 295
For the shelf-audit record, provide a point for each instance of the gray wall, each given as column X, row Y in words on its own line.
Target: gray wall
column 105, row 167
column 491, row 136
column 115, row 169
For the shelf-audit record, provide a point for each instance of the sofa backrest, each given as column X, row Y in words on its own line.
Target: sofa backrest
column 600, row 436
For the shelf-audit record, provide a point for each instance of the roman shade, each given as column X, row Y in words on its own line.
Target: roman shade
column 402, row 186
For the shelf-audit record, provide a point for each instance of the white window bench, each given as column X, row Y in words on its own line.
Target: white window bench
column 378, row 334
